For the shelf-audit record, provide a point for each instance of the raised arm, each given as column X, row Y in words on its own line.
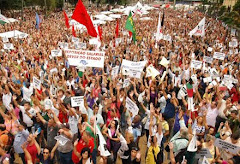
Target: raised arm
column 54, row 149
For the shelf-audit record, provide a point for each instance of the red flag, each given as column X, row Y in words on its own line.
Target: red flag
column 73, row 31
column 100, row 32
column 80, row 15
column 66, row 19
column 117, row 29
column 167, row 6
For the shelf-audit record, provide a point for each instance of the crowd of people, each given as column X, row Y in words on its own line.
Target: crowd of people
column 32, row 120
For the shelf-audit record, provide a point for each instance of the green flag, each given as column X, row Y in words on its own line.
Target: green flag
column 3, row 19
column 130, row 26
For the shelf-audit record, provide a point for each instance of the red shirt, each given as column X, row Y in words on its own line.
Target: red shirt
column 81, row 144
column 32, row 151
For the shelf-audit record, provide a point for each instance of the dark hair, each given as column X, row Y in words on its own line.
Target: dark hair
column 27, row 103
column 84, row 150
column 235, row 112
column 235, row 135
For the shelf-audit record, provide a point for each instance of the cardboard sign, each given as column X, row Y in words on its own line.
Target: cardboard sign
column 8, row 46
column 36, row 83
column 131, row 106
column 208, row 59
column 126, row 83
column 79, row 45
column 196, row 64
column 219, row 55
column 77, row 101
column 74, row 39
column 203, row 152
column 55, row 53
column 85, row 58
column 226, row 146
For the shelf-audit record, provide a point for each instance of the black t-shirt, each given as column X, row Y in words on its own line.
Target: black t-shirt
column 42, row 161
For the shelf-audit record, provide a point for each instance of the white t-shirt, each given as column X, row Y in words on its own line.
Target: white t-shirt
column 148, row 120
column 27, row 93
column 73, row 123
column 26, row 119
column 7, row 98
column 211, row 116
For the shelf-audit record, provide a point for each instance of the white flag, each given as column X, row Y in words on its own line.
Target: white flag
column 199, row 30
column 159, row 34
column 192, row 147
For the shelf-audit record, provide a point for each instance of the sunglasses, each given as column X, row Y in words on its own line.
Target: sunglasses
column 45, row 152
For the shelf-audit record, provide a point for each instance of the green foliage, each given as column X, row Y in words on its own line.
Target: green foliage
column 236, row 7
column 222, row 10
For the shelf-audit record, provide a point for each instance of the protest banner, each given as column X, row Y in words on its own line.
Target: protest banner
column 208, row 59
column 131, row 106
column 36, row 83
column 219, row 55
column 203, row 152
column 85, row 58
column 77, row 101
column 79, row 45
column 74, row 39
column 196, row 64
column 8, row 46
column 133, row 69
column 126, row 83
column 55, row 53
column 226, row 146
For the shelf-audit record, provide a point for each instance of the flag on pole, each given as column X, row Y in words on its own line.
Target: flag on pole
column 73, row 31
column 190, row 96
column 66, row 19
column 99, row 32
column 130, row 26
column 199, row 30
column 159, row 34
column 37, row 21
column 3, row 19
column 117, row 29
column 162, row 19
column 80, row 15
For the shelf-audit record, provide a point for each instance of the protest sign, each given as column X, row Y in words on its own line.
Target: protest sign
column 79, row 45
column 233, row 44
column 164, row 62
column 74, row 39
column 102, row 144
column 115, row 72
column 182, row 92
column 196, row 64
column 151, row 71
column 226, row 146
column 207, row 79
column 131, row 106
column 85, row 58
column 5, row 39
column 126, row 83
column 203, row 152
column 219, row 55
column 208, row 59
column 210, row 49
column 61, row 139
column 8, row 46
column 77, row 101
column 133, row 69
column 36, row 83
column 63, row 45
column 55, row 53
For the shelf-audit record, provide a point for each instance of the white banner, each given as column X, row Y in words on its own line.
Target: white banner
column 5, row 39
column 196, row 64
column 219, row 55
column 74, row 39
column 207, row 59
column 85, row 58
column 133, row 69
column 8, row 46
column 233, row 44
column 77, row 101
column 79, row 45
column 131, row 106
column 36, row 83
column 226, row 146
column 55, row 53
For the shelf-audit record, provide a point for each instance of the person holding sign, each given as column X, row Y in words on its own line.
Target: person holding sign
column 209, row 144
